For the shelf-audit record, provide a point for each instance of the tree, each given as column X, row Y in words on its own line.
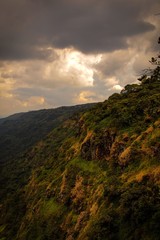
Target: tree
column 156, row 60
column 154, row 73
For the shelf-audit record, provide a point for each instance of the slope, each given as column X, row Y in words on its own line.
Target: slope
column 20, row 131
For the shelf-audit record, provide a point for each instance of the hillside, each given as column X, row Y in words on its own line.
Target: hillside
column 94, row 177
column 20, row 131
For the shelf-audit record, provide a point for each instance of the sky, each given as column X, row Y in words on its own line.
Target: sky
column 66, row 52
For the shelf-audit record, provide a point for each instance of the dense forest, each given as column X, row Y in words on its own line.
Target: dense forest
column 95, row 175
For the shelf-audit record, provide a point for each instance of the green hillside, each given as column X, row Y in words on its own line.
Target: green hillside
column 94, row 177
column 20, row 131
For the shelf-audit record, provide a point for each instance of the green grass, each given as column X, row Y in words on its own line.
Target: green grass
column 50, row 207
column 86, row 166
column 2, row 228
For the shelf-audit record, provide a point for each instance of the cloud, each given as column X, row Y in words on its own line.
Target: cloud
column 86, row 97
column 67, row 52
column 58, row 82
column 28, row 28
column 117, row 87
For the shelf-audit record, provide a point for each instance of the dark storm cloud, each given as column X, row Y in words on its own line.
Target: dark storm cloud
column 11, row 51
column 27, row 26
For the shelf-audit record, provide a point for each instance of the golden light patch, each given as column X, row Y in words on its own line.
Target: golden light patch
column 85, row 96
column 32, row 101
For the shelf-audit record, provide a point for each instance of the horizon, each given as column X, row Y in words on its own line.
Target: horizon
column 69, row 52
column 45, row 109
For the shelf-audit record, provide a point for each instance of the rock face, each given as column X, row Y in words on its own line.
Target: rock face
column 98, row 147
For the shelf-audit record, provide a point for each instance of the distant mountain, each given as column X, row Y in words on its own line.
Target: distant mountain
column 20, row 131
column 11, row 117
column 95, row 176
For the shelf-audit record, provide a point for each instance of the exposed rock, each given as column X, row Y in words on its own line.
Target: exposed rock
column 98, row 147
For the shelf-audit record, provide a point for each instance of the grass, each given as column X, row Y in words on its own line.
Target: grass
column 50, row 207
column 2, row 228
column 86, row 166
